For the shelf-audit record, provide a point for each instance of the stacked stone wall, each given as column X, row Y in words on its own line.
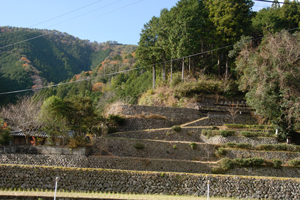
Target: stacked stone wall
column 148, row 182
column 157, row 149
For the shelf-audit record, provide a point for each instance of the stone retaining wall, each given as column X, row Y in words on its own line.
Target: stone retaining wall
column 235, row 139
column 140, row 164
column 148, row 182
column 218, row 119
column 282, row 155
column 157, row 149
column 132, row 124
column 124, row 163
column 178, row 115
column 45, row 150
column 166, row 134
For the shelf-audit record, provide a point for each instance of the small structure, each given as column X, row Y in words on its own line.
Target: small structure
column 289, row 140
column 40, row 138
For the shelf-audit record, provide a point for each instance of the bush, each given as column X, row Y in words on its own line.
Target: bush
column 248, row 134
column 115, row 119
column 220, row 152
column 5, row 137
column 278, row 147
column 174, row 146
column 238, row 126
column 139, row 146
column 112, row 130
column 277, row 163
column 226, row 164
column 294, row 163
column 244, row 145
column 243, row 126
column 176, row 128
column 255, row 134
column 225, row 133
column 211, row 133
column 217, row 170
column 249, row 161
column 193, row 145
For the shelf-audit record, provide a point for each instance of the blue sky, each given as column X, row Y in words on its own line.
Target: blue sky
column 95, row 20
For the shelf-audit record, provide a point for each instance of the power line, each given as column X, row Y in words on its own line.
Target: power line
column 90, row 78
column 59, row 84
column 71, row 25
column 64, row 14
column 265, row 1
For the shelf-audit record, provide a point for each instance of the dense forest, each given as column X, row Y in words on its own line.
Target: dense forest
column 198, row 47
column 51, row 57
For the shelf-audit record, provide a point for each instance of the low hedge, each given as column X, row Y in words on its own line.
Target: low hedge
column 244, row 126
column 265, row 147
column 223, row 133
column 278, row 147
column 226, row 164
column 256, row 134
column 294, row 163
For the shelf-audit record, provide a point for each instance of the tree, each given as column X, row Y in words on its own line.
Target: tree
column 80, row 114
column 146, row 51
column 271, row 75
column 232, row 19
column 53, row 118
column 23, row 116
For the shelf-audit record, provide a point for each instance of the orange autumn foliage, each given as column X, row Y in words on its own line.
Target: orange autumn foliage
column 98, row 87
column 25, row 59
column 25, row 65
column 133, row 54
column 125, row 61
column 4, row 126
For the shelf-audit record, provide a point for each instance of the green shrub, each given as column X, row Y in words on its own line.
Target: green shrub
column 255, row 134
column 249, row 161
column 174, row 146
column 176, row 128
column 211, row 133
column 115, row 119
column 241, row 126
column 139, row 146
column 217, row 170
column 226, row 164
column 5, row 137
column 277, row 163
column 278, row 147
column 225, row 133
column 248, row 134
column 112, row 130
column 244, row 146
column 230, row 144
column 220, row 152
column 193, row 145
column 294, row 163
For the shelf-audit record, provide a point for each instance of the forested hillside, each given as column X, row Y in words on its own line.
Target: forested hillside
column 199, row 47
column 51, row 57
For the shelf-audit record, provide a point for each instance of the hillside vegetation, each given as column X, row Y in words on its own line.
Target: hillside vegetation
column 53, row 56
column 236, row 51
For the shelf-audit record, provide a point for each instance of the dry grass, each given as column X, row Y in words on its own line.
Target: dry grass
column 97, row 195
column 150, row 116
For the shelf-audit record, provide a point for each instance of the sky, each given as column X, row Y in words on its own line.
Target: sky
column 94, row 20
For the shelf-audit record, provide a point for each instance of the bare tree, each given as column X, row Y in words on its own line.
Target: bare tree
column 23, row 116
column 232, row 113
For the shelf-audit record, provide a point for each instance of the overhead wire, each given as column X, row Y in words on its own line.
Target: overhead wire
column 64, row 14
column 72, row 24
column 103, row 75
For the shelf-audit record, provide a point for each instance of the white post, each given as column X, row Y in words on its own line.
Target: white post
column 208, row 190
column 56, row 179
column 276, row 131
